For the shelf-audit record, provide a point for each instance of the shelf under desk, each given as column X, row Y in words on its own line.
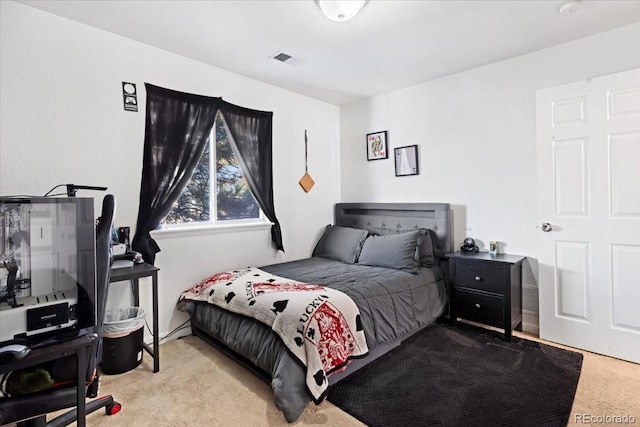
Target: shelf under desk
column 77, row 347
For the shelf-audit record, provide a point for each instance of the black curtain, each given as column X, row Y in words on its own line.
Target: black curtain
column 251, row 134
column 177, row 129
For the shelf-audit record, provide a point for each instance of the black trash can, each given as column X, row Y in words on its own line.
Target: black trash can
column 122, row 340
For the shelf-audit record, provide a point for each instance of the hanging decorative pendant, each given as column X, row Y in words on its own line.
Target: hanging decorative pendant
column 306, row 182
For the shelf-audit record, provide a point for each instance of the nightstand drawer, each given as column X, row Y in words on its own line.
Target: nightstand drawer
column 484, row 276
column 480, row 307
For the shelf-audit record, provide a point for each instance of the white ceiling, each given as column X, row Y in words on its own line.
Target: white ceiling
column 390, row 45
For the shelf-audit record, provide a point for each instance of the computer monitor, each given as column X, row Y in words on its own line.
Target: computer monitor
column 47, row 267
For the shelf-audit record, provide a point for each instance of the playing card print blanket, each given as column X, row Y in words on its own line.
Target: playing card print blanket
column 392, row 304
column 320, row 326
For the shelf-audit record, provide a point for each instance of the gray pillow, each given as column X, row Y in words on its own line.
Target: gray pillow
column 397, row 251
column 425, row 254
column 340, row 243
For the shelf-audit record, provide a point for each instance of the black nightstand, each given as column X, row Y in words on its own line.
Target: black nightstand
column 487, row 289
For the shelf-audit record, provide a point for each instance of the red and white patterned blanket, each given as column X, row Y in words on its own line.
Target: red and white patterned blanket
column 320, row 326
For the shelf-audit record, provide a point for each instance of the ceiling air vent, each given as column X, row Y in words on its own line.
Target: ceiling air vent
column 285, row 58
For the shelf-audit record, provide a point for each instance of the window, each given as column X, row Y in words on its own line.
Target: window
column 231, row 201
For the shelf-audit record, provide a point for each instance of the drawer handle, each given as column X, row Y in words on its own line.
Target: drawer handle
column 478, row 278
column 477, row 305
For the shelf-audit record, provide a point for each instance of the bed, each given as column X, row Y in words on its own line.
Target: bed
column 396, row 296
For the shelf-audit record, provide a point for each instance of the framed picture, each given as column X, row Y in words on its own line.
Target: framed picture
column 406, row 160
column 377, row 145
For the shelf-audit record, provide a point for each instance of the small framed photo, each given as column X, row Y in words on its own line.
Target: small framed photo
column 377, row 145
column 406, row 160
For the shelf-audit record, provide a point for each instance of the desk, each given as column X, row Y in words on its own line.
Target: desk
column 134, row 274
column 79, row 347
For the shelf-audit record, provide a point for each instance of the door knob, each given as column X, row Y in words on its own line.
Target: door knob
column 546, row 227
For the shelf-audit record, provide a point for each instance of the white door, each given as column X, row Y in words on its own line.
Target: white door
column 588, row 136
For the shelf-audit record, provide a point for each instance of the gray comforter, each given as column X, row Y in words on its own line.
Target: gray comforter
column 393, row 305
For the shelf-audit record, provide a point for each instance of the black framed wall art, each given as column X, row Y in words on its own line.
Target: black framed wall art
column 406, row 160
column 377, row 145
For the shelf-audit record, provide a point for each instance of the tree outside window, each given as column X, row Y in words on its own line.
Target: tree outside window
column 232, row 200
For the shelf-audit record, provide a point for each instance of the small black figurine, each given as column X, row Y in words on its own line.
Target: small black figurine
column 469, row 246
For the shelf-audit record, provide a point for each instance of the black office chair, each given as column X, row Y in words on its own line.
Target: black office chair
column 31, row 410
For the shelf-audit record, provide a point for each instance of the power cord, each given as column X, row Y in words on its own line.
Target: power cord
column 184, row 325
column 48, row 193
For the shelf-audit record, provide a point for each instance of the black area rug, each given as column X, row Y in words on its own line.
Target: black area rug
column 464, row 376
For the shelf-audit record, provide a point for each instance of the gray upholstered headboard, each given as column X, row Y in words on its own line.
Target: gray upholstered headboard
column 400, row 216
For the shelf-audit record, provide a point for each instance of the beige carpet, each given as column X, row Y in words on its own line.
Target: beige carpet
column 199, row 386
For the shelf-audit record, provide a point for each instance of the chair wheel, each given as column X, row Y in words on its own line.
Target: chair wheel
column 113, row 409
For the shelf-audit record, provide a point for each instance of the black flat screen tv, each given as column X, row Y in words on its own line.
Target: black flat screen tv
column 47, row 267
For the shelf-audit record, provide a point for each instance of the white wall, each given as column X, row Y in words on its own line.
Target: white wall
column 477, row 143
column 62, row 121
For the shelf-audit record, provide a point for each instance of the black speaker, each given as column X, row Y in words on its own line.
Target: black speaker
column 123, row 236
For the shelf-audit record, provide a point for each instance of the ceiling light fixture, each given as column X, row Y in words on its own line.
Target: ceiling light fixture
column 568, row 7
column 340, row 10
